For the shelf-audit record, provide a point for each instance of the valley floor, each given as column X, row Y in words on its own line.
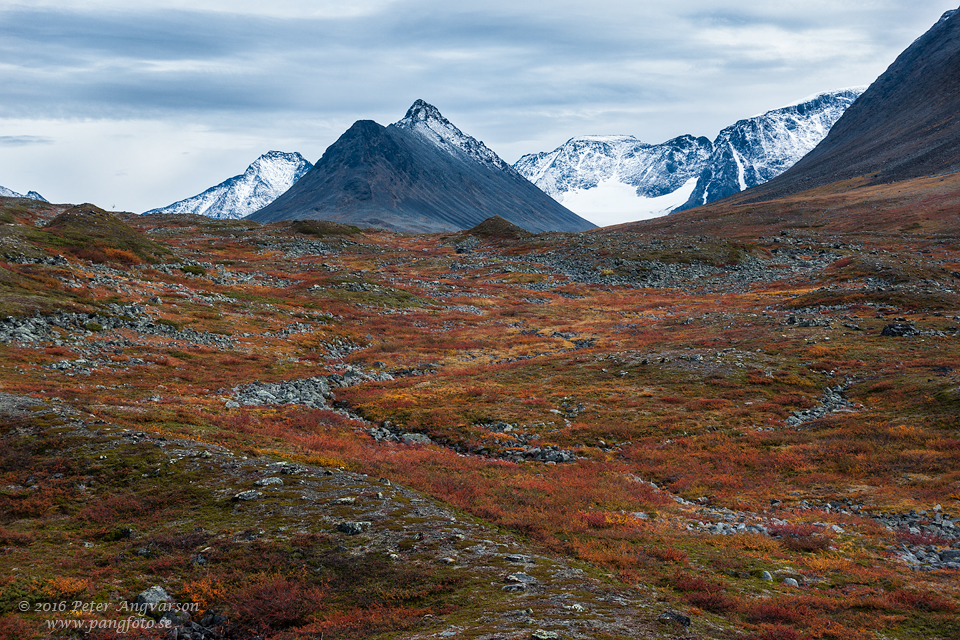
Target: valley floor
column 310, row 430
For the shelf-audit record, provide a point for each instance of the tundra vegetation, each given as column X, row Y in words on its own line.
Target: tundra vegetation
column 311, row 430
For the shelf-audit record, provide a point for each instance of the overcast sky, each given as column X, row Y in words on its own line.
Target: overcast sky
column 133, row 105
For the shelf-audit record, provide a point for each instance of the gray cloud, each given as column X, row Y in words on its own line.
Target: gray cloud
column 20, row 141
column 155, row 62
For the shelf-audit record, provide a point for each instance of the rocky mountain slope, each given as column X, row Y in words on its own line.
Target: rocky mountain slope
column 10, row 193
column 264, row 180
column 612, row 179
column 421, row 174
column 906, row 125
column 755, row 150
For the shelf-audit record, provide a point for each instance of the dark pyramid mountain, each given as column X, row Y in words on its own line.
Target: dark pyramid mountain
column 419, row 175
column 905, row 125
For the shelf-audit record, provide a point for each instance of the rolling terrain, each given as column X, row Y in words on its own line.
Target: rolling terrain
column 308, row 428
column 738, row 421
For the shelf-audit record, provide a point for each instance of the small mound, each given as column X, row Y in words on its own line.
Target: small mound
column 85, row 217
column 90, row 233
column 496, row 228
column 322, row 228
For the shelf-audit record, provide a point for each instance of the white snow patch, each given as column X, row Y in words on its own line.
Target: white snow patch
column 740, row 170
column 613, row 202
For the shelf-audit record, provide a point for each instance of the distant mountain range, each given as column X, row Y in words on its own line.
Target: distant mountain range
column 442, row 179
column 419, row 175
column 264, row 180
column 905, row 125
column 9, row 193
column 612, row 179
column 602, row 176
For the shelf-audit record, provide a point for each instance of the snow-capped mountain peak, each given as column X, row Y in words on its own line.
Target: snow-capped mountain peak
column 612, row 179
column 426, row 120
column 264, row 181
column 755, row 150
column 10, row 193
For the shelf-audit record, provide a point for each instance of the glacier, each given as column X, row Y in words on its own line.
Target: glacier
column 611, row 179
column 267, row 177
column 612, row 202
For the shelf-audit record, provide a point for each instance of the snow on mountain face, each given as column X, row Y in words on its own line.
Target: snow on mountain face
column 758, row 149
column 613, row 179
column 427, row 121
column 263, row 182
column 33, row 195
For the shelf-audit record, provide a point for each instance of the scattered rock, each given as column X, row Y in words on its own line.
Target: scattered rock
column 672, row 617
column 251, row 494
column 265, row 482
column 150, row 599
column 416, row 438
column 518, row 559
column 950, row 555
column 353, row 528
column 521, row 577
column 831, row 401
column 467, row 245
column 791, row 582
column 899, row 330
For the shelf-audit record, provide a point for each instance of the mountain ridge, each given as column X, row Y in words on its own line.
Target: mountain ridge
column 31, row 195
column 757, row 149
column 594, row 174
column 260, row 184
column 905, row 125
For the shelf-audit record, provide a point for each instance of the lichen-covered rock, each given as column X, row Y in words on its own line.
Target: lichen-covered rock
column 353, row 528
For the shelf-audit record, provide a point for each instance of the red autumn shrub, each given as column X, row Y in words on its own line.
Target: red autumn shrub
column 271, row 602
column 801, row 537
column 12, row 627
column 774, row 612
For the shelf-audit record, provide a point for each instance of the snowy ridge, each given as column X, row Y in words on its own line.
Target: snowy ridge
column 32, row 195
column 264, row 181
column 590, row 175
column 758, row 149
column 427, row 121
